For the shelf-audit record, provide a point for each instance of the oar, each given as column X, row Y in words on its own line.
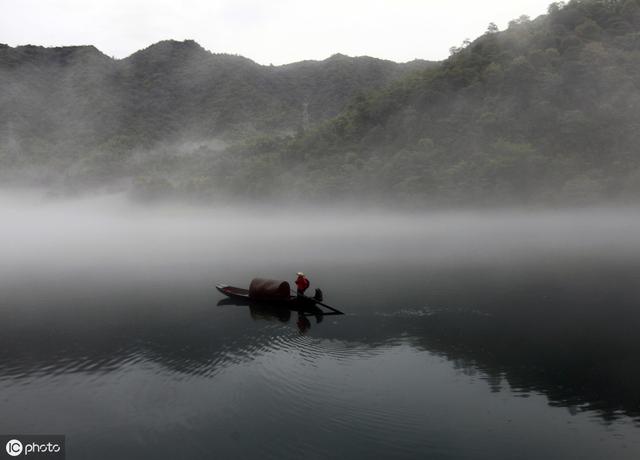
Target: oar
column 324, row 313
column 334, row 310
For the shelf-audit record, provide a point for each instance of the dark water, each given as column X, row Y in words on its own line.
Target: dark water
column 468, row 335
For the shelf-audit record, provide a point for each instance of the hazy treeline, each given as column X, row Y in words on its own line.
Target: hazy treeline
column 74, row 116
column 546, row 111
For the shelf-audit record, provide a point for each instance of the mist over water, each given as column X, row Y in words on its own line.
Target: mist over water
column 112, row 232
column 468, row 334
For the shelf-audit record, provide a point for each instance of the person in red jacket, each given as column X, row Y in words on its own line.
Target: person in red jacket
column 302, row 284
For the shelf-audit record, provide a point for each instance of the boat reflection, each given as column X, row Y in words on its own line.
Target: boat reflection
column 266, row 312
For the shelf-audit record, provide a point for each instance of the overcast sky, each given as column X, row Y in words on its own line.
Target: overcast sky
column 267, row 31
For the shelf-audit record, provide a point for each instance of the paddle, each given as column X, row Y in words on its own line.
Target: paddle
column 324, row 313
column 334, row 310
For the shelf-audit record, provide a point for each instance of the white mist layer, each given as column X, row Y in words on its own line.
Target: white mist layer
column 109, row 234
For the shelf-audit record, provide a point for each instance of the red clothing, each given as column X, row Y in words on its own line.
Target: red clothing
column 302, row 283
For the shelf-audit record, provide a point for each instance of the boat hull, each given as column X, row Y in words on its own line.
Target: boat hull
column 292, row 303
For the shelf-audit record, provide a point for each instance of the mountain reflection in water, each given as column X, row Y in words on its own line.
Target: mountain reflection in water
column 586, row 363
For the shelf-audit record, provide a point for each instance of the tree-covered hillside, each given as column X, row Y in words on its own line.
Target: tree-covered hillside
column 75, row 111
column 545, row 111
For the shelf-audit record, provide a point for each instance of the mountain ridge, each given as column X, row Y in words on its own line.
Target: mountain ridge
column 194, row 44
column 268, row 97
column 546, row 111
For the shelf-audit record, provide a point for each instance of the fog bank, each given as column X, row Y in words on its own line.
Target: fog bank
column 109, row 234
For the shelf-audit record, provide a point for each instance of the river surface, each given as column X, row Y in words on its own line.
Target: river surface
column 468, row 335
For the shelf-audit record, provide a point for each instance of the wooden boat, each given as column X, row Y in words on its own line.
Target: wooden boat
column 292, row 302
column 279, row 296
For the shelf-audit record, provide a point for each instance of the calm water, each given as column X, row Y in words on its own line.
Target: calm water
column 468, row 335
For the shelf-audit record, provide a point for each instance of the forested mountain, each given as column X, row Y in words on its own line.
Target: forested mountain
column 72, row 108
column 545, row 111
